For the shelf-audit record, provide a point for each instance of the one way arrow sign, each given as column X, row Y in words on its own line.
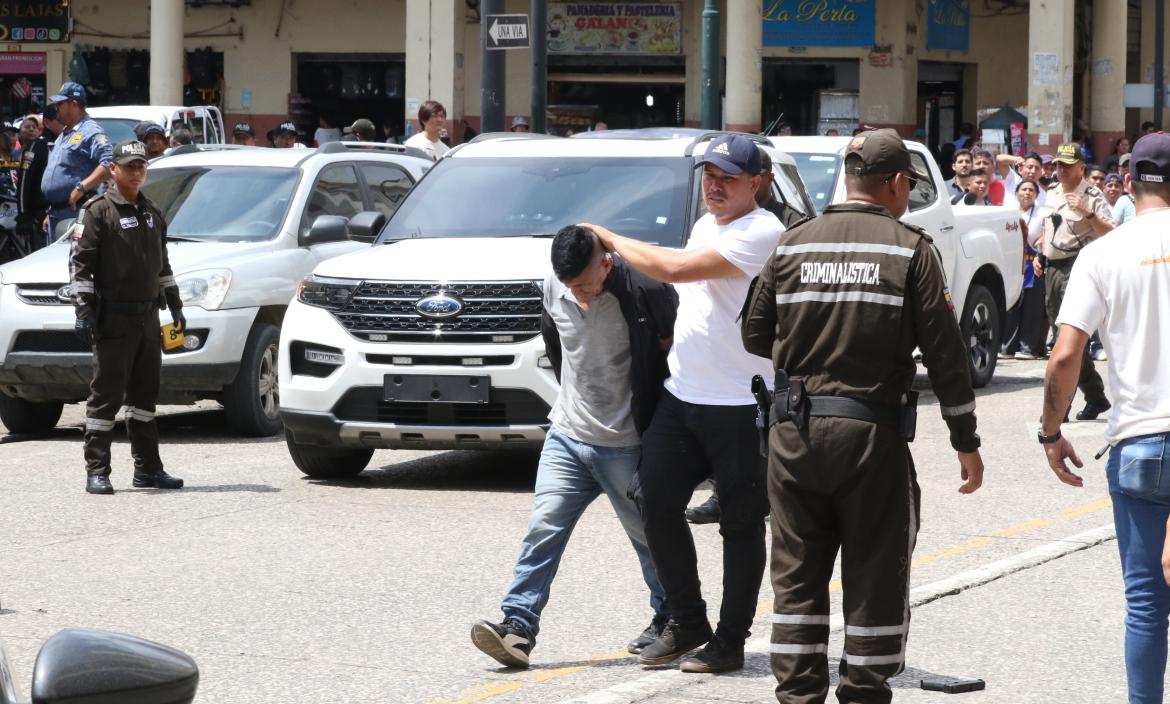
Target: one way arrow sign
column 507, row 31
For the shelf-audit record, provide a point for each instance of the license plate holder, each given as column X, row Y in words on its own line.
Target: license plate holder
column 427, row 388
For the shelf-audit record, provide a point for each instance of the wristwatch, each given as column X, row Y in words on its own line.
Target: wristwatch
column 1090, row 215
column 1048, row 439
column 80, row 188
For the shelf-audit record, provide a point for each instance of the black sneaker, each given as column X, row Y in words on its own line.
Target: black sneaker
column 1092, row 410
column 157, row 480
column 674, row 642
column 508, row 643
column 717, row 656
column 706, row 512
column 647, row 636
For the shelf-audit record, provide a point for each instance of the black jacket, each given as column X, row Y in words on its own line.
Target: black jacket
column 649, row 308
column 33, row 203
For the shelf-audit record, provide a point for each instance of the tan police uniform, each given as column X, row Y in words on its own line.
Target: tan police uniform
column 1066, row 232
column 839, row 308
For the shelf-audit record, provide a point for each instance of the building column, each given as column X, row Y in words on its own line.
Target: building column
column 166, row 52
column 1051, row 53
column 889, row 74
column 1108, row 69
column 435, row 61
column 745, row 70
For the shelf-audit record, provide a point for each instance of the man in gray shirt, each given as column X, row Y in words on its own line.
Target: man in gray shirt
column 606, row 330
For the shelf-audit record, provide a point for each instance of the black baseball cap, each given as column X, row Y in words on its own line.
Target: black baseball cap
column 128, row 151
column 361, row 126
column 734, row 154
column 285, row 128
column 148, row 127
column 879, row 152
column 1150, row 159
column 244, row 128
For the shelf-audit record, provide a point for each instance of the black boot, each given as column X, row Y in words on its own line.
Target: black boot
column 674, row 642
column 98, row 484
column 648, row 636
column 157, row 480
column 717, row 656
column 706, row 512
column 1092, row 410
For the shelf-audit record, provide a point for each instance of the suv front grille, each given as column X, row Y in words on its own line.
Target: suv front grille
column 502, row 312
column 48, row 341
column 41, row 294
column 507, row 407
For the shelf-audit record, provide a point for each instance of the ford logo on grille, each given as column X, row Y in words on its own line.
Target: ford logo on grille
column 440, row 306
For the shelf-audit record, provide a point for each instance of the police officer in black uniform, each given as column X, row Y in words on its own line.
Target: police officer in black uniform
column 839, row 308
column 120, row 278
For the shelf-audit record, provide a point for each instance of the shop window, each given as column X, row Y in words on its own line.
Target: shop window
column 122, row 76
column 337, row 193
column 388, row 185
column 925, row 193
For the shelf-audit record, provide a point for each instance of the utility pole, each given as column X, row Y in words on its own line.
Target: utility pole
column 491, row 92
column 1159, row 60
column 539, row 37
column 711, row 84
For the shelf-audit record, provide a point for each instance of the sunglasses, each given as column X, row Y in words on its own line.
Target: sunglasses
column 912, row 179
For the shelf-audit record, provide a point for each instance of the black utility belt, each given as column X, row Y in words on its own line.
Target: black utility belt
column 1063, row 263
column 129, row 307
column 792, row 404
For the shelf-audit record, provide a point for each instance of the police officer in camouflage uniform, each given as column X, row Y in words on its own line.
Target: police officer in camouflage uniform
column 839, row 308
column 80, row 159
column 1080, row 215
column 120, row 278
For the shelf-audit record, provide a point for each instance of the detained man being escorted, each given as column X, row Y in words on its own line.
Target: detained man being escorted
column 704, row 425
column 839, row 308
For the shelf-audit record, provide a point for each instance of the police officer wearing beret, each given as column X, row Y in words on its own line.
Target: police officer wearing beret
column 80, row 159
column 839, row 308
column 120, row 274
column 1081, row 214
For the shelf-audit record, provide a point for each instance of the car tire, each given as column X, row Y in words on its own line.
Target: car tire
column 29, row 417
column 981, row 334
column 328, row 462
column 251, row 403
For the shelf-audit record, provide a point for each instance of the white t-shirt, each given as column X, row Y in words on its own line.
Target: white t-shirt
column 1120, row 286
column 325, row 135
column 1011, row 182
column 435, row 150
column 708, row 364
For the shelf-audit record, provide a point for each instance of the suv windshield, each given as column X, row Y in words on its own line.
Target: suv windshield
column 222, row 203
column 819, row 172
column 644, row 198
column 117, row 130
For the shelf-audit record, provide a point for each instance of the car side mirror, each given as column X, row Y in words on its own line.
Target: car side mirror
column 365, row 226
column 83, row 666
column 327, row 228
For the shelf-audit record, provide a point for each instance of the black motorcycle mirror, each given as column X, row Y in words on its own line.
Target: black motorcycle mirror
column 83, row 666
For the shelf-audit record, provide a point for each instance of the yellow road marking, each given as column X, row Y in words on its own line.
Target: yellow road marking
column 526, row 679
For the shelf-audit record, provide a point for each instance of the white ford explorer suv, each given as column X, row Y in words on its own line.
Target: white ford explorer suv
column 431, row 338
column 245, row 226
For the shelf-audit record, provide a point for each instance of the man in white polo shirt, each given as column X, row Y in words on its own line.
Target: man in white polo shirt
column 1120, row 286
column 704, row 425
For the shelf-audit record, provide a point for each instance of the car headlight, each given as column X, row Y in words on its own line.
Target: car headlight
column 324, row 292
column 206, row 288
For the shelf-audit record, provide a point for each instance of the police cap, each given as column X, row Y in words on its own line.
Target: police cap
column 128, row 151
column 879, row 152
column 1069, row 154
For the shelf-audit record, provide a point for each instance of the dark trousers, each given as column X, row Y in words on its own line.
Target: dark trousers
column 849, row 485
column 685, row 444
column 1056, row 277
column 127, row 355
column 1025, row 328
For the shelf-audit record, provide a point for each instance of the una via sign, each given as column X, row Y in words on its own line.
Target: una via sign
column 507, row 31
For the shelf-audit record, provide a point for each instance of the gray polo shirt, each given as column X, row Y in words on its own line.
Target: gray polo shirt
column 594, row 403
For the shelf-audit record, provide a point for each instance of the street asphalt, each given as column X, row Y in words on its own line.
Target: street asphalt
column 287, row 589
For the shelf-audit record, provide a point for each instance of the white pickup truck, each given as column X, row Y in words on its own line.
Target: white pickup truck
column 982, row 246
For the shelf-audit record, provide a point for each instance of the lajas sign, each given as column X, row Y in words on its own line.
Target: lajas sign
column 34, row 20
column 819, row 22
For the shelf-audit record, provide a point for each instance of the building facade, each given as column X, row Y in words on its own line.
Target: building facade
column 812, row 64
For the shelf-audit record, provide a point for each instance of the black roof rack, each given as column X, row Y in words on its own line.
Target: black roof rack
column 341, row 147
column 489, row 136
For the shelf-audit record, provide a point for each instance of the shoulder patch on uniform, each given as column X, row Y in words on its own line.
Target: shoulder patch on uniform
column 101, row 139
column 1094, row 191
column 918, row 231
column 76, row 138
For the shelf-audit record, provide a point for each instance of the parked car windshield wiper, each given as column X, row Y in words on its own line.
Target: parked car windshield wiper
column 180, row 238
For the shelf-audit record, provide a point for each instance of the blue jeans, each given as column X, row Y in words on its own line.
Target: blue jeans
column 1136, row 464
column 570, row 476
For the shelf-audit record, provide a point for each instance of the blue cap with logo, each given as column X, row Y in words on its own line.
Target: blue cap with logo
column 1150, row 159
column 70, row 91
column 733, row 153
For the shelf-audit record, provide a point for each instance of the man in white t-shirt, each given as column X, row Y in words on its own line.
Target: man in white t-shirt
column 1120, row 286
column 1015, row 169
column 432, row 116
column 704, row 424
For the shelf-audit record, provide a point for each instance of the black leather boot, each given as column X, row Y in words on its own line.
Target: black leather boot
column 706, row 512
column 98, row 484
column 158, row 480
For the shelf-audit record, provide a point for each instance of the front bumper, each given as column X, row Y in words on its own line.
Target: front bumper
column 346, row 408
